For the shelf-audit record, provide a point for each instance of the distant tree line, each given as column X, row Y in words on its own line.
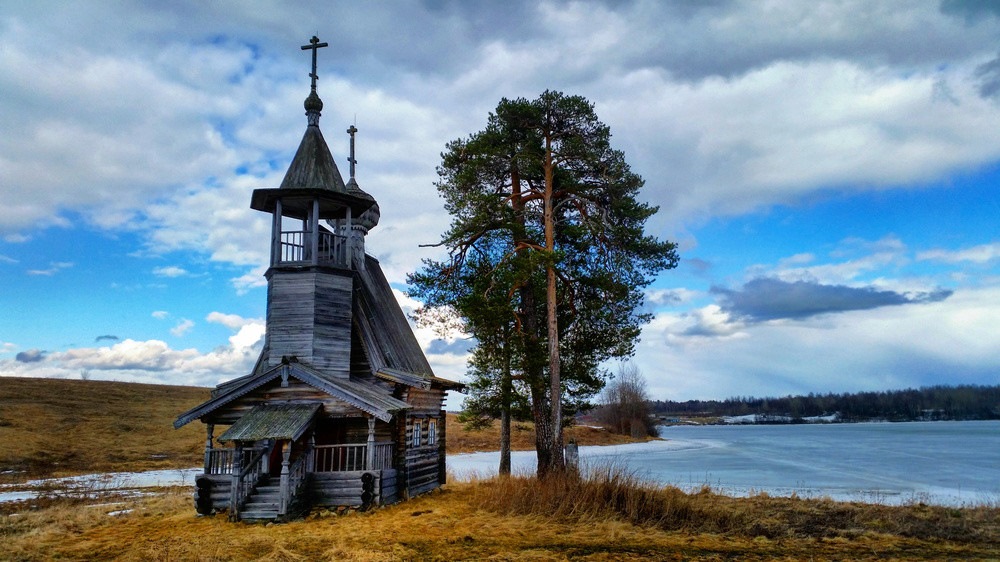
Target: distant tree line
column 965, row 402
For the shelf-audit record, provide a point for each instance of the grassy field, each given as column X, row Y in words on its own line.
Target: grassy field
column 52, row 427
column 90, row 426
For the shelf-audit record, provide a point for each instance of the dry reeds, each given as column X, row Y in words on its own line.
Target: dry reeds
column 613, row 491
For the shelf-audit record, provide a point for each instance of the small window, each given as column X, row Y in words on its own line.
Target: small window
column 431, row 432
column 416, row 433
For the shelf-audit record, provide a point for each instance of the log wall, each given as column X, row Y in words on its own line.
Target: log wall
column 334, row 489
column 425, row 402
column 423, row 464
column 309, row 317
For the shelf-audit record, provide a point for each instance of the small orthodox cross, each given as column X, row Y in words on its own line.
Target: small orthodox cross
column 353, row 162
column 314, row 44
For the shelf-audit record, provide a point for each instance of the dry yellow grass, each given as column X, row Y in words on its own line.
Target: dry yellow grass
column 452, row 525
column 58, row 427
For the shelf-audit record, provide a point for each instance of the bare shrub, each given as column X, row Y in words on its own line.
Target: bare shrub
column 624, row 404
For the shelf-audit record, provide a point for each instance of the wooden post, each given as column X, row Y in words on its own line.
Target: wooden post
column 276, row 235
column 311, row 463
column 265, row 461
column 314, row 232
column 572, row 455
column 286, row 451
column 402, row 482
column 442, row 438
column 370, row 457
column 209, row 429
column 347, row 237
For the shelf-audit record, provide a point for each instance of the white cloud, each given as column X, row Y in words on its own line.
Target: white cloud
column 160, row 314
column 789, row 129
column 984, row 253
column 151, row 361
column 253, row 279
column 953, row 341
column 854, row 259
column 182, row 327
column 669, row 297
column 54, row 267
column 170, row 271
column 231, row 321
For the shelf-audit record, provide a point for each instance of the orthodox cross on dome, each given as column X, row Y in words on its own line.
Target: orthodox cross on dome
column 352, row 160
column 314, row 45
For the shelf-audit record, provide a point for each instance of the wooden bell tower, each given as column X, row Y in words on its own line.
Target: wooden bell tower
column 310, row 278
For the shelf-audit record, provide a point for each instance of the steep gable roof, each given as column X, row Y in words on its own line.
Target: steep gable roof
column 385, row 334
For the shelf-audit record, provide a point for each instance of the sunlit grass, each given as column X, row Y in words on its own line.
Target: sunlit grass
column 60, row 427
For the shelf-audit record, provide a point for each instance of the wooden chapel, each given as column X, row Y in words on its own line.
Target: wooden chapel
column 342, row 407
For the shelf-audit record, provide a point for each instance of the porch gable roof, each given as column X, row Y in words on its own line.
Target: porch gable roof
column 272, row 421
column 365, row 396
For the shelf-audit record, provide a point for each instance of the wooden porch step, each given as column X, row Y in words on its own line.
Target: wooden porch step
column 263, row 515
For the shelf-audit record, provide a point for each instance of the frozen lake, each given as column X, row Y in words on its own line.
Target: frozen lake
column 945, row 463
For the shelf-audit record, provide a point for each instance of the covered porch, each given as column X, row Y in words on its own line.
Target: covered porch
column 278, row 460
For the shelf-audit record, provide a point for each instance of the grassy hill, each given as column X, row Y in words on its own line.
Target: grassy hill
column 52, row 427
column 57, row 427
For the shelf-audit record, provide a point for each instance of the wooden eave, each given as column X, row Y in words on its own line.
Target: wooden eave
column 297, row 202
column 418, row 381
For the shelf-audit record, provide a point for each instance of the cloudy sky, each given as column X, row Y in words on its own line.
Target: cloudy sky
column 829, row 169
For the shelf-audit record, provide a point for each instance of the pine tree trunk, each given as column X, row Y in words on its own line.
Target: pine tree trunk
column 543, row 429
column 557, row 460
column 534, row 375
column 505, row 399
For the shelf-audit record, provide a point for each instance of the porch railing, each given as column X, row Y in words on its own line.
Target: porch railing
column 220, row 461
column 352, row 456
column 245, row 482
column 291, row 486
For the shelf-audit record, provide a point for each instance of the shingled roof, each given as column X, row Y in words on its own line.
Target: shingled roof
column 272, row 421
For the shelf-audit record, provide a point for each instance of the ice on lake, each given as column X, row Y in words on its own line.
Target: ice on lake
column 943, row 463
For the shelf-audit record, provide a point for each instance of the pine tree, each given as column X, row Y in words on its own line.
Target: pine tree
column 547, row 251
